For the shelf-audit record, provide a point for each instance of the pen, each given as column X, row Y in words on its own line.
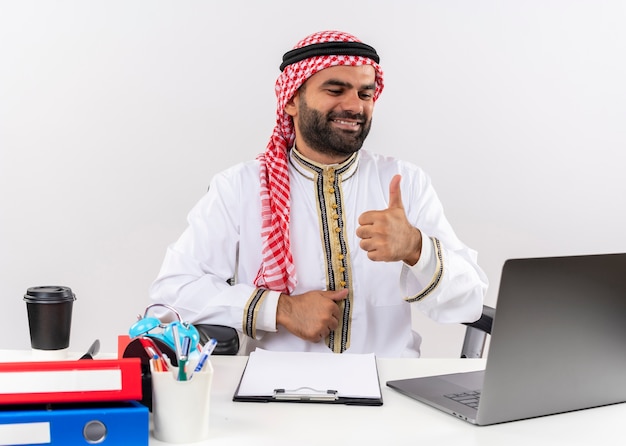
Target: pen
column 152, row 350
column 182, row 360
column 186, row 346
column 182, row 368
column 206, row 352
column 156, row 363
column 179, row 353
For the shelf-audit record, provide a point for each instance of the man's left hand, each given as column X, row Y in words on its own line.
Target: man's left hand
column 387, row 235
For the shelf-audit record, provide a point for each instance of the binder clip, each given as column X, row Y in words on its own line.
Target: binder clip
column 305, row 394
column 146, row 326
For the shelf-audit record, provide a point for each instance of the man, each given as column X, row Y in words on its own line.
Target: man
column 329, row 246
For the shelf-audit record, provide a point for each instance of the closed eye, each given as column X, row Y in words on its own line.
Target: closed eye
column 334, row 92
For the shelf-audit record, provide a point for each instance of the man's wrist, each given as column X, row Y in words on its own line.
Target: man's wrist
column 416, row 251
column 283, row 308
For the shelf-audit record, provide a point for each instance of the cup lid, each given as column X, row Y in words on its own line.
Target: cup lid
column 49, row 294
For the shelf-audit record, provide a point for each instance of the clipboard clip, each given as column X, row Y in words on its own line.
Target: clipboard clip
column 305, row 394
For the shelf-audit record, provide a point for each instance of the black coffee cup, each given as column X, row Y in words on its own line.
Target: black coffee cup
column 49, row 316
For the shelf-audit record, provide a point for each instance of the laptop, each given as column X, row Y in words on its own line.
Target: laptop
column 558, row 344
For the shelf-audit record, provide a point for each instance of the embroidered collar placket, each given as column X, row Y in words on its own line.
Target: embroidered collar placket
column 327, row 183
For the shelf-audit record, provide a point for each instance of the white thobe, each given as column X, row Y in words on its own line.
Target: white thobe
column 222, row 241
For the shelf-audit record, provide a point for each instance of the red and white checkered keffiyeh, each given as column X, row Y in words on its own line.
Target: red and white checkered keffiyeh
column 277, row 271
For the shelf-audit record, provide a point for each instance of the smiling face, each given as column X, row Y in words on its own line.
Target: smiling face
column 332, row 112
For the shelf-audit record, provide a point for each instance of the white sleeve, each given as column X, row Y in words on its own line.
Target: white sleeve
column 194, row 274
column 446, row 284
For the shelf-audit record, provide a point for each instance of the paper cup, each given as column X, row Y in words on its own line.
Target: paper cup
column 49, row 320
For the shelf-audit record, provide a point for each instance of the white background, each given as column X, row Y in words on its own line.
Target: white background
column 114, row 115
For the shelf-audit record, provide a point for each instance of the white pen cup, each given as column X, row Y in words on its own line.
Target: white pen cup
column 180, row 409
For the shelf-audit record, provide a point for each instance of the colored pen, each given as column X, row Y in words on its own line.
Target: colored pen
column 179, row 352
column 156, row 363
column 186, row 346
column 206, row 352
column 152, row 350
column 182, row 360
column 182, row 368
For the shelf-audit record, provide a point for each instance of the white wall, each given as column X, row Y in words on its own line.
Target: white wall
column 115, row 114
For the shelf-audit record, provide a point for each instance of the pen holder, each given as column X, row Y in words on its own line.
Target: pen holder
column 180, row 409
column 134, row 349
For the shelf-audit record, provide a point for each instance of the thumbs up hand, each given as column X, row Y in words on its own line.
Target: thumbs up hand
column 387, row 235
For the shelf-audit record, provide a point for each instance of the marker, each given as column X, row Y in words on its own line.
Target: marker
column 206, row 352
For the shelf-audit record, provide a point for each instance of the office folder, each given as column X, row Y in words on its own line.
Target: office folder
column 70, row 381
column 113, row 423
column 310, row 377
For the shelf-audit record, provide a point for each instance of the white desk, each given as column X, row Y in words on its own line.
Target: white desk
column 399, row 421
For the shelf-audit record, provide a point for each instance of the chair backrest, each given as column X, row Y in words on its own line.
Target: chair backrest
column 227, row 338
column 476, row 334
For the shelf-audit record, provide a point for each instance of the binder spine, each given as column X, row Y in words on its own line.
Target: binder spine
column 70, row 381
column 112, row 424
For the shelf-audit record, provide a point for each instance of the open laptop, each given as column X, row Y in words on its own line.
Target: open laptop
column 558, row 344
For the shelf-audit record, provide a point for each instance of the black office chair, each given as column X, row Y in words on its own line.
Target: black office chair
column 227, row 338
column 476, row 334
column 473, row 343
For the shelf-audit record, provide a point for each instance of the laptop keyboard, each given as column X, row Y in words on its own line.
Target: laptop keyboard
column 470, row 399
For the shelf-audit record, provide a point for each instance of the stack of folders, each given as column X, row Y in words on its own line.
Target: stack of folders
column 74, row 402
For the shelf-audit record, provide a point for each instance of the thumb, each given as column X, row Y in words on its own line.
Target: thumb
column 338, row 295
column 395, row 196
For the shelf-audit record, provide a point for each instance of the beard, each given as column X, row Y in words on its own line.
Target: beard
column 320, row 135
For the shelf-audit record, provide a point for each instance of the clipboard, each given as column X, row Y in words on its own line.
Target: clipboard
column 310, row 377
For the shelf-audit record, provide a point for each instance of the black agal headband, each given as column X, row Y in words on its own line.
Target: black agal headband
column 329, row 49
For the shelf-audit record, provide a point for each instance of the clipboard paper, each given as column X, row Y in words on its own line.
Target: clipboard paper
column 310, row 377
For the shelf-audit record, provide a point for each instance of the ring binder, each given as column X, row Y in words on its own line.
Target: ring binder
column 70, row 381
column 311, row 395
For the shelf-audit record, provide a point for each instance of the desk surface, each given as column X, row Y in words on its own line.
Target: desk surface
column 400, row 421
